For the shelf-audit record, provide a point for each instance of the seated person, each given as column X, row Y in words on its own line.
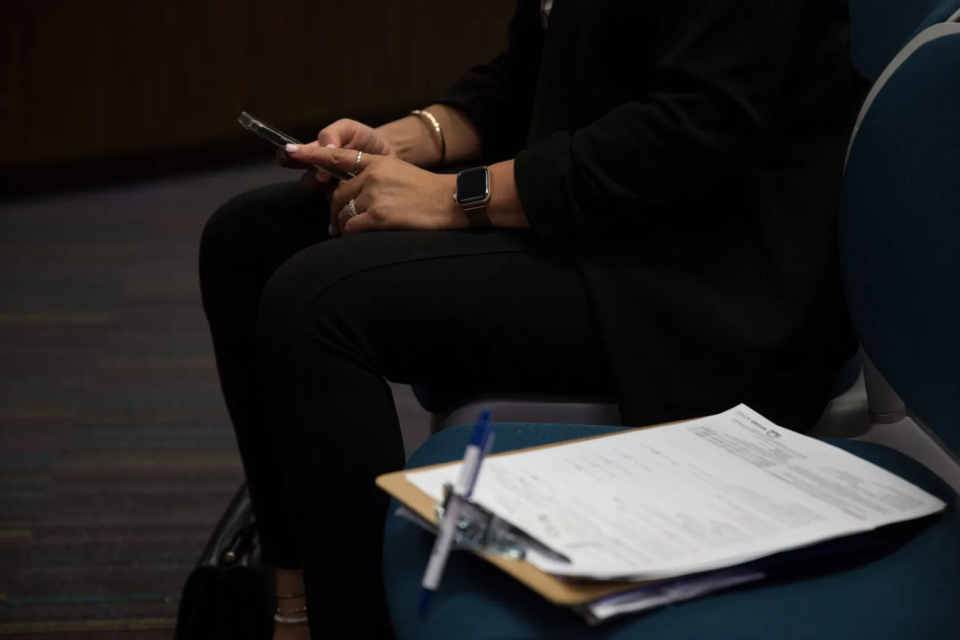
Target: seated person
column 661, row 229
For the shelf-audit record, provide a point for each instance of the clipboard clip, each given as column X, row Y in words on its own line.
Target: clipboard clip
column 481, row 531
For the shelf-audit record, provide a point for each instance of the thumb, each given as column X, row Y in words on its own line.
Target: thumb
column 339, row 134
column 330, row 137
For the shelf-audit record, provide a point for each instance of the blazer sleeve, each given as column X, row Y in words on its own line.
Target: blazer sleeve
column 498, row 96
column 718, row 65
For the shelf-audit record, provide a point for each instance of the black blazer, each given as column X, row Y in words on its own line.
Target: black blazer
column 690, row 154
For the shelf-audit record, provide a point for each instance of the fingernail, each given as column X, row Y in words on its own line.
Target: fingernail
column 330, row 230
column 292, row 148
column 331, row 146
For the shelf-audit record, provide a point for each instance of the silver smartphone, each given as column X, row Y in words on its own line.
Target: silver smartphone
column 280, row 139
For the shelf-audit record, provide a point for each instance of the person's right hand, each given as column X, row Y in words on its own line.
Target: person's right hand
column 346, row 134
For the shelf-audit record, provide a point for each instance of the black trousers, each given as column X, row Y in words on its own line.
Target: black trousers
column 305, row 330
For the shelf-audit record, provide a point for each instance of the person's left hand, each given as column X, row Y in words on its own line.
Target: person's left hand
column 387, row 193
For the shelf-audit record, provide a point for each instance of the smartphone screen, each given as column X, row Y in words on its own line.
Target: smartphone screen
column 281, row 140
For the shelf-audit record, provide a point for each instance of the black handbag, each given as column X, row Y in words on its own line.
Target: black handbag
column 228, row 596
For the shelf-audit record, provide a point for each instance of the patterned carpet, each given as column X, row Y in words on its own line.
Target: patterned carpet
column 116, row 456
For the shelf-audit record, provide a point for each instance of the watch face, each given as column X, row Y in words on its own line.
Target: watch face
column 473, row 185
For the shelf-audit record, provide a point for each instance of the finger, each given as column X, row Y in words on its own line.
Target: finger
column 345, row 133
column 334, row 228
column 331, row 136
column 335, row 196
column 359, row 224
column 360, row 204
column 342, row 217
column 322, row 176
column 346, row 222
column 345, row 191
column 339, row 158
column 362, row 201
column 287, row 162
column 309, row 179
column 334, row 214
column 342, row 133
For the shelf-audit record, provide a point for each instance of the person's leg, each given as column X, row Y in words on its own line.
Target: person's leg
column 243, row 244
column 482, row 310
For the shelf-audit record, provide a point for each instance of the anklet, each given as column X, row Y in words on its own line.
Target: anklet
column 287, row 596
column 291, row 611
column 285, row 620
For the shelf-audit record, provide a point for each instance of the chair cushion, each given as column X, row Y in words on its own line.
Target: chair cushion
column 438, row 399
column 909, row 593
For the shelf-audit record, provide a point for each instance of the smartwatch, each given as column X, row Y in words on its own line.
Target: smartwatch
column 473, row 194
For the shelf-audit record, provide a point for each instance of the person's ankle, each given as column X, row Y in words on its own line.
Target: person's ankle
column 289, row 584
column 294, row 632
column 291, row 616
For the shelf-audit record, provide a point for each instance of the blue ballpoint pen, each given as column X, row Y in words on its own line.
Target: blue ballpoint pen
column 480, row 442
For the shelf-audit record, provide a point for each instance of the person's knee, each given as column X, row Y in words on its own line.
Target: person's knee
column 234, row 224
column 257, row 231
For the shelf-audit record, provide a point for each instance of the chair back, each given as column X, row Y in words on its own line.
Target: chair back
column 879, row 29
column 900, row 229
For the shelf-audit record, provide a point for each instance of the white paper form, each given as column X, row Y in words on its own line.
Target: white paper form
column 685, row 498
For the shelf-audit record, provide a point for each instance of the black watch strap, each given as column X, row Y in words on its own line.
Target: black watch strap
column 478, row 216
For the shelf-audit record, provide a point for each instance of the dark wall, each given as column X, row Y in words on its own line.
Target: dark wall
column 100, row 79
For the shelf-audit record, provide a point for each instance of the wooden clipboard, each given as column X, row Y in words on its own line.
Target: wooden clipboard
column 564, row 592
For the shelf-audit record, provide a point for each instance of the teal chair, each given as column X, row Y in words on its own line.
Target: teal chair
column 879, row 29
column 900, row 245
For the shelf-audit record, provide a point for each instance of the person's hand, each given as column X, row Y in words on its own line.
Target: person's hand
column 348, row 134
column 387, row 193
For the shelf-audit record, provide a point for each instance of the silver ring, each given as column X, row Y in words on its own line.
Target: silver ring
column 356, row 165
column 351, row 209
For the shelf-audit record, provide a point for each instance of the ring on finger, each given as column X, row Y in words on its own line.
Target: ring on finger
column 351, row 208
column 356, row 165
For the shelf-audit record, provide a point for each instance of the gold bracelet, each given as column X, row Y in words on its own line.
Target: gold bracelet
column 434, row 124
